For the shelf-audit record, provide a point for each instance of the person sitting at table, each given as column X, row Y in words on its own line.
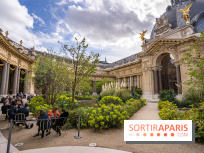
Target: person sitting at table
column 45, row 126
column 53, row 114
column 60, row 122
column 4, row 109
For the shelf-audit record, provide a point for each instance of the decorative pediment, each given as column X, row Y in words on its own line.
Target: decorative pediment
column 163, row 26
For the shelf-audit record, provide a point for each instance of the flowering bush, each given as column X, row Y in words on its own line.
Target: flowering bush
column 197, row 116
column 66, row 102
column 111, row 100
column 104, row 116
column 168, row 111
column 37, row 103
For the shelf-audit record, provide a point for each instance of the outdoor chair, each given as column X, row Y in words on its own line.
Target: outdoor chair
column 20, row 119
column 4, row 110
column 60, row 126
column 45, row 125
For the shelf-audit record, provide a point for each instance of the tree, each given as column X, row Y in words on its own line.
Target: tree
column 100, row 83
column 49, row 76
column 195, row 63
column 84, row 87
column 81, row 64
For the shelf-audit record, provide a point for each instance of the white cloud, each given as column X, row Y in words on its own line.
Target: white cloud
column 19, row 24
column 38, row 18
column 16, row 20
column 62, row 2
column 114, row 26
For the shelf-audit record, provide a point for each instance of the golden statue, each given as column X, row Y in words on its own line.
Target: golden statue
column 185, row 11
column 142, row 36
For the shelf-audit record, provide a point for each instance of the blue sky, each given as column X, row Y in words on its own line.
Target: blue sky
column 111, row 27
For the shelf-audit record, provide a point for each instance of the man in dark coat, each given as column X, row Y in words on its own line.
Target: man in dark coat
column 25, row 111
column 43, row 123
column 61, row 121
column 4, row 109
column 13, row 110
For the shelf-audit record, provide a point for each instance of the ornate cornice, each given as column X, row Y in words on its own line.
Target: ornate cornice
column 158, row 43
column 12, row 49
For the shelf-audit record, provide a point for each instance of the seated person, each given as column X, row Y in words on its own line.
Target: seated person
column 19, row 101
column 4, row 109
column 53, row 114
column 25, row 111
column 60, row 122
column 3, row 100
column 45, row 126
column 13, row 110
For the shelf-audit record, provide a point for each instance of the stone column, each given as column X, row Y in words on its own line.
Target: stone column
column 7, row 79
column 138, row 81
column 160, row 80
column 3, row 80
column 141, row 81
column 125, row 81
column 25, row 83
column 178, row 78
column 131, row 82
column 156, row 82
column 18, row 79
column 94, row 89
column 15, row 81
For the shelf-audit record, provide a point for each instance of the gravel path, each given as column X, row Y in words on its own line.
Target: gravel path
column 113, row 138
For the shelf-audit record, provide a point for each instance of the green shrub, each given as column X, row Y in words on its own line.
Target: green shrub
column 135, row 95
column 111, row 100
column 108, row 93
column 103, row 117
column 132, row 106
column 138, row 91
column 86, row 97
column 197, row 116
column 123, row 94
column 169, row 111
column 169, row 95
column 191, row 97
column 66, row 102
column 37, row 103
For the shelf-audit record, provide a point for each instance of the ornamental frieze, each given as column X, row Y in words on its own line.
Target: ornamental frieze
column 3, row 52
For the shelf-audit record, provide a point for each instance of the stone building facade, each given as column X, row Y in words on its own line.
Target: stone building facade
column 156, row 67
column 15, row 67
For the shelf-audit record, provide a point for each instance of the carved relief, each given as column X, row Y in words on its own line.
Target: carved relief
column 145, row 67
column 3, row 52
column 163, row 26
column 24, row 64
column 14, row 59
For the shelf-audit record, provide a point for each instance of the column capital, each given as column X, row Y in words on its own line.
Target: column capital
column 156, row 68
column 177, row 63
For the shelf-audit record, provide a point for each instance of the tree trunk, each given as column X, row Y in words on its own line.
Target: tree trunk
column 73, row 94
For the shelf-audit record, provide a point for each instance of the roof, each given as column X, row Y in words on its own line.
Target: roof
column 175, row 18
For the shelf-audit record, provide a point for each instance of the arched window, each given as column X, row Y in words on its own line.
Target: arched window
column 201, row 23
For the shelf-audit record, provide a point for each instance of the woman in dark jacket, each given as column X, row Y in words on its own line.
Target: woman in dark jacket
column 61, row 121
column 43, row 123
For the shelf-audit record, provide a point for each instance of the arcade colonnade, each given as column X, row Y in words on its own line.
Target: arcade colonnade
column 11, row 80
column 131, row 81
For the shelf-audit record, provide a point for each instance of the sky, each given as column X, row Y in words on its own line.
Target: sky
column 111, row 27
